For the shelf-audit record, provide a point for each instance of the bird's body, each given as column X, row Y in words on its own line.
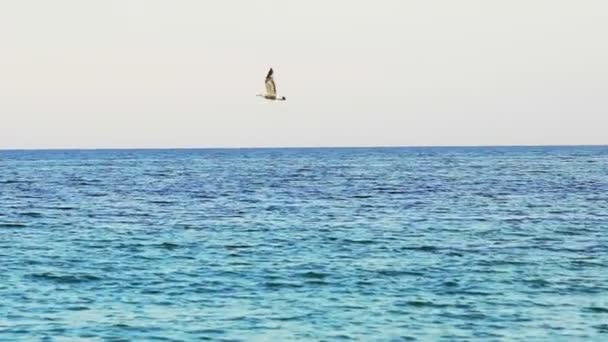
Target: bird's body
column 271, row 88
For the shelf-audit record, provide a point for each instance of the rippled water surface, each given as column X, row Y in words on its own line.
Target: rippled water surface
column 305, row 244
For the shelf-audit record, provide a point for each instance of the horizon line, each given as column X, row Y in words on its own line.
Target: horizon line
column 290, row 147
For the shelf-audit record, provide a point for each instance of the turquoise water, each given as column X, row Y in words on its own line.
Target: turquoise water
column 305, row 244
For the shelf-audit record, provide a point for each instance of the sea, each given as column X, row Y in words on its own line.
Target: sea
column 313, row 244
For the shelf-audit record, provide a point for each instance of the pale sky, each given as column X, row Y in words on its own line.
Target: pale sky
column 184, row 73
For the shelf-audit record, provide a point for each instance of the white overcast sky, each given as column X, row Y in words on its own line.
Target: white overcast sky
column 184, row 73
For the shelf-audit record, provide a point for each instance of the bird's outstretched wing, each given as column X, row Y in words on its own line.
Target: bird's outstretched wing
column 271, row 88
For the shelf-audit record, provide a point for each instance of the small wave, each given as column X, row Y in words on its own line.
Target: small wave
column 421, row 303
column 383, row 188
column 602, row 328
column 240, row 263
column 491, row 263
column 231, row 247
column 151, row 291
column 559, row 212
column 532, row 205
column 421, row 248
column 361, row 196
column 77, row 308
column 161, row 202
column 513, row 220
column 586, row 263
column 360, row 242
column 202, row 195
column 305, row 169
column 341, row 337
column 397, row 273
column 293, row 318
column 96, row 194
column 168, row 246
column 83, row 183
column 12, row 225
column 208, row 289
column 61, row 207
column 65, row 279
column 450, row 283
column 469, row 293
column 538, row 283
column 281, row 284
column 573, row 232
column 31, row 214
column 364, row 283
column 467, row 316
column 316, row 282
column 593, row 199
column 210, row 331
column 314, row 275
column 11, row 181
column 597, row 309
column 125, row 326
column 157, row 174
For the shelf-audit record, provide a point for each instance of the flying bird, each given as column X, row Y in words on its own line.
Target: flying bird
column 271, row 88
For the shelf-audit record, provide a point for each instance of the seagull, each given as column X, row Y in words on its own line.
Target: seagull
column 271, row 89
